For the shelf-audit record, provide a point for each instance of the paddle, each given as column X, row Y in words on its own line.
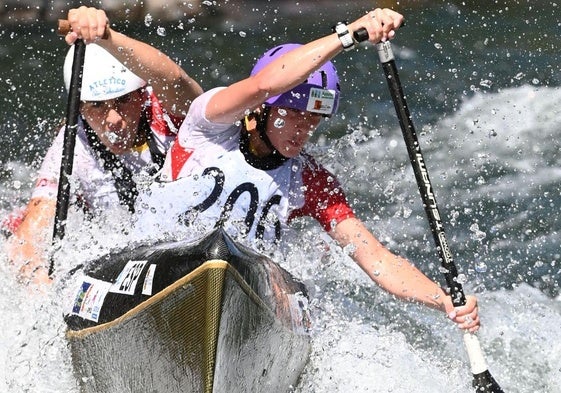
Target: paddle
column 72, row 113
column 67, row 160
column 483, row 381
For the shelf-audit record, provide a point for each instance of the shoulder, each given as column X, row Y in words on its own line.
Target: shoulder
column 197, row 125
column 161, row 121
column 201, row 102
column 315, row 174
column 324, row 197
column 197, row 111
column 54, row 152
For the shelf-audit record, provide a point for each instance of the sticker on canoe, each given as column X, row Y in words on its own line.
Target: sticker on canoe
column 128, row 278
column 148, row 280
column 89, row 298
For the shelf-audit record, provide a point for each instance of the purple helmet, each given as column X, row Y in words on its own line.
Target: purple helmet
column 318, row 94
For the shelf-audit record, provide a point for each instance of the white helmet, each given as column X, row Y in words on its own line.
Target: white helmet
column 104, row 77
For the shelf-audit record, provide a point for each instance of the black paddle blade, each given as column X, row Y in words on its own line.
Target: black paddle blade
column 485, row 383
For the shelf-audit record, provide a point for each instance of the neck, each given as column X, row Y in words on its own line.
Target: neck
column 139, row 139
column 142, row 131
column 257, row 151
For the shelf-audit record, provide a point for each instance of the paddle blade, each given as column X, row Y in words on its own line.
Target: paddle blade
column 485, row 383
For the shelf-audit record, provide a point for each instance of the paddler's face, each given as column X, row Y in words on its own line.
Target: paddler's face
column 290, row 129
column 115, row 121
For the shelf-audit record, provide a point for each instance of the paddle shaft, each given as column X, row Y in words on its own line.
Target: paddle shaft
column 421, row 174
column 483, row 380
column 67, row 159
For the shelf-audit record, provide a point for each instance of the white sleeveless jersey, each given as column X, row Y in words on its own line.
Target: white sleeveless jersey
column 206, row 181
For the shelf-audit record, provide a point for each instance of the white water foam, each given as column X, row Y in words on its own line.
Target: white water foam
column 363, row 340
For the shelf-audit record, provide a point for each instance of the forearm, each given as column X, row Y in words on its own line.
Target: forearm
column 399, row 277
column 170, row 82
column 282, row 74
column 27, row 247
column 393, row 273
column 294, row 67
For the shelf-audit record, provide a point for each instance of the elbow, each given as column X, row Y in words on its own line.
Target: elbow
column 264, row 86
column 180, row 81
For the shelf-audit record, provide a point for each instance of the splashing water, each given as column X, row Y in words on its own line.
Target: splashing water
column 493, row 146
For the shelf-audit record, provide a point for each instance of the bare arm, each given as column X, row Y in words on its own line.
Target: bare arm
column 230, row 104
column 27, row 247
column 398, row 276
column 170, row 82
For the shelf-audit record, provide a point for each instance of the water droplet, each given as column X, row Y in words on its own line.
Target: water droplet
column 282, row 112
column 148, row 20
column 480, row 267
column 407, row 212
column 461, row 279
column 486, row 83
column 161, row 31
column 279, row 123
column 112, row 137
column 243, row 34
column 477, row 234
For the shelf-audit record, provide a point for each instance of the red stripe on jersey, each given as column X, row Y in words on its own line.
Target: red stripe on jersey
column 157, row 118
column 178, row 158
column 325, row 200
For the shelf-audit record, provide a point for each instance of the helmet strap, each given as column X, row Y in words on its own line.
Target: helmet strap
column 257, row 122
column 123, row 177
column 262, row 118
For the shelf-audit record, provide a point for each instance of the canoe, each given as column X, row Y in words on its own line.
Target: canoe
column 205, row 316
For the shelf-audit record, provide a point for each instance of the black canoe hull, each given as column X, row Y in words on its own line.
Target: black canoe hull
column 234, row 321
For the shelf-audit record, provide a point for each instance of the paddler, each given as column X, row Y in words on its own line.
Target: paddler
column 239, row 162
column 133, row 99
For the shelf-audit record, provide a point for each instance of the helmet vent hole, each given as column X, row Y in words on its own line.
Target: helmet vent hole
column 272, row 54
column 323, row 79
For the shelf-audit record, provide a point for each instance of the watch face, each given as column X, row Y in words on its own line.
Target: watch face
column 341, row 28
column 344, row 36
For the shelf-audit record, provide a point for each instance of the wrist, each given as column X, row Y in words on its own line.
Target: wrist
column 447, row 305
column 344, row 35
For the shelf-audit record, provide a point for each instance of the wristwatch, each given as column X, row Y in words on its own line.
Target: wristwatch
column 344, row 36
